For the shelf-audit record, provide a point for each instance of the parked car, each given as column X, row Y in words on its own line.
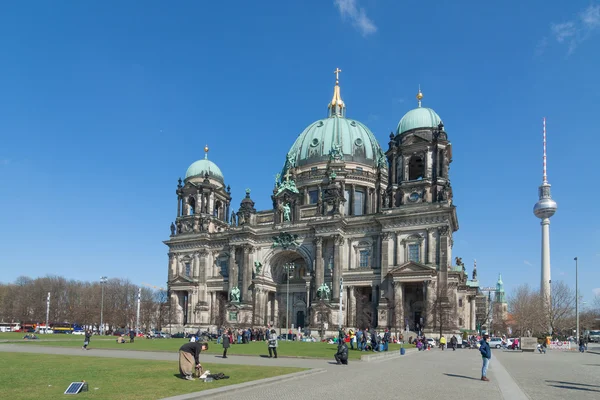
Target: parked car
column 496, row 342
column 178, row 335
column 431, row 342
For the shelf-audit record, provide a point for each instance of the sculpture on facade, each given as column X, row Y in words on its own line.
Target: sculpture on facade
column 257, row 267
column 172, row 229
column 232, row 218
column 335, row 154
column 460, row 263
column 323, row 292
column 235, row 294
column 286, row 212
column 285, row 240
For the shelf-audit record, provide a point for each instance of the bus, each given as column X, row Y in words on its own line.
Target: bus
column 61, row 328
column 10, row 327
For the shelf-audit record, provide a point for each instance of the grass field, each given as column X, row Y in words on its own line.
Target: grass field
column 293, row 349
column 27, row 376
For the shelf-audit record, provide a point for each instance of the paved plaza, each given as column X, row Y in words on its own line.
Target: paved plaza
column 416, row 375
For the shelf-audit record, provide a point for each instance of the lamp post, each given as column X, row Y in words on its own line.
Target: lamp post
column 103, row 280
column 289, row 267
column 576, row 298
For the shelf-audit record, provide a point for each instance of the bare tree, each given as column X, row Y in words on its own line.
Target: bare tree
column 561, row 308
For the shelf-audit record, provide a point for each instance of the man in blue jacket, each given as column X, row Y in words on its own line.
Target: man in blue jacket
column 486, row 355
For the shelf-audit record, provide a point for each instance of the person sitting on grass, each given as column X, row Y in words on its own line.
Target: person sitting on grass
column 341, row 357
column 189, row 355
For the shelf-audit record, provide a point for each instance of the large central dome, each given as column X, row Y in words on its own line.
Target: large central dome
column 338, row 134
column 353, row 139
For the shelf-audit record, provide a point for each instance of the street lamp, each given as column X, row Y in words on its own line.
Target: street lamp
column 289, row 267
column 576, row 298
column 103, row 280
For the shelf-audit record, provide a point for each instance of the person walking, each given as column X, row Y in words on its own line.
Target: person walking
column 189, row 355
column 86, row 340
column 453, row 342
column 131, row 335
column 359, row 336
column 272, row 343
column 581, row 345
column 226, row 339
column 486, row 356
column 443, row 342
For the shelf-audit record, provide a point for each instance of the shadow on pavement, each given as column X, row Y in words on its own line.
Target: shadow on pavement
column 575, row 388
column 462, row 376
column 573, row 383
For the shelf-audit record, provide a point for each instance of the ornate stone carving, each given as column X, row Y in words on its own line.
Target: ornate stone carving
column 444, row 230
column 318, row 241
column 285, row 240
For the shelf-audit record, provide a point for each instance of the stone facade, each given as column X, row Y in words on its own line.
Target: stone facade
column 373, row 232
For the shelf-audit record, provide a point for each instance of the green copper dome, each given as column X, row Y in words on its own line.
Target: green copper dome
column 336, row 134
column 420, row 117
column 202, row 167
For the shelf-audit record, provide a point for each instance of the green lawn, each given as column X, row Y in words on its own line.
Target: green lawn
column 28, row 376
column 293, row 349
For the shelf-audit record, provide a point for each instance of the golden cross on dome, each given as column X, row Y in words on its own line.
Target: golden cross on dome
column 337, row 74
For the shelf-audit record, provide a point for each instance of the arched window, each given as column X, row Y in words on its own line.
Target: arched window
column 416, row 168
column 192, row 206
column 217, row 209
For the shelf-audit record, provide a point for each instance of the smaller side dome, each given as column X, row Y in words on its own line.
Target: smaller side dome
column 202, row 167
column 420, row 117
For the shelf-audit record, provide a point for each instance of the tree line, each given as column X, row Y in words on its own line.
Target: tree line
column 529, row 313
column 80, row 302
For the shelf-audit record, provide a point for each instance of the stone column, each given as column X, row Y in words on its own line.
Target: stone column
column 393, row 167
column 247, row 275
column 233, row 271
column 338, row 241
column 399, row 248
column 399, row 304
column 172, row 266
column 385, row 254
column 178, row 205
column 307, row 297
column 202, row 266
column 275, row 310
column 473, row 309
column 351, row 320
column 352, row 200
column 319, row 270
column 431, row 246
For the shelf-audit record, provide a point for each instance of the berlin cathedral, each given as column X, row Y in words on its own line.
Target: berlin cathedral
column 357, row 236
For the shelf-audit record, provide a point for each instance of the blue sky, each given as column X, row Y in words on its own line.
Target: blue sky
column 105, row 104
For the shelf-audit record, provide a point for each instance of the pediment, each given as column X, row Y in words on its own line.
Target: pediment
column 410, row 267
column 182, row 279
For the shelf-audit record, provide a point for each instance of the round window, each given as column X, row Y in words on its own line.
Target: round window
column 314, row 142
column 414, row 196
column 358, row 142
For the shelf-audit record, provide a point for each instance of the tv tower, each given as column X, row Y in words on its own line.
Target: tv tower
column 544, row 209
